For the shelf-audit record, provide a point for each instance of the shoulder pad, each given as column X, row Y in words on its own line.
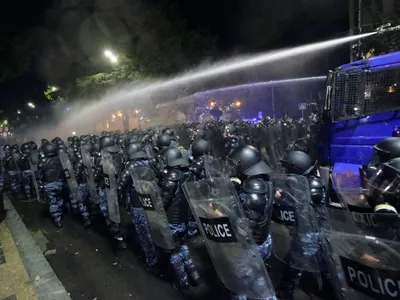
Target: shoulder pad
column 125, row 173
column 198, row 163
column 172, row 174
column 129, row 164
column 315, row 182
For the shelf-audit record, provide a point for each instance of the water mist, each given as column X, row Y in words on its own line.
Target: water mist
column 81, row 119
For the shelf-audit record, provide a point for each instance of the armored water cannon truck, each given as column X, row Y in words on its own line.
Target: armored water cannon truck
column 362, row 107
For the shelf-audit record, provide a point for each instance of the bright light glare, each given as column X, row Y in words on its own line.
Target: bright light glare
column 30, row 104
column 73, row 133
column 137, row 111
column 237, row 103
column 18, row 111
column 113, row 58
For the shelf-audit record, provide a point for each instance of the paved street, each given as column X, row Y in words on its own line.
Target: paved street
column 87, row 265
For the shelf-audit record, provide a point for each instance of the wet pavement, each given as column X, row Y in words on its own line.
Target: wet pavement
column 89, row 268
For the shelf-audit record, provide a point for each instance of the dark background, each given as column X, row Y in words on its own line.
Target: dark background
column 236, row 26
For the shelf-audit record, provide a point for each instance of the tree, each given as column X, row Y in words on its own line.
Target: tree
column 158, row 44
column 53, row 93
column 125, row 70
column 376, row 13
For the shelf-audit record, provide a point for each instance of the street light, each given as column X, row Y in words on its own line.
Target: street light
column 113, row 58
column 31, row 105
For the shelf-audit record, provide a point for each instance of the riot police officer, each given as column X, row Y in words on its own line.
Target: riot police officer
column 137, row 158
column 27, row 173
column 109, row 148
column 51, row 177
column 299, row 163
column 251, row 179
column 79, row 203
column 383, row 151
column 177, row 209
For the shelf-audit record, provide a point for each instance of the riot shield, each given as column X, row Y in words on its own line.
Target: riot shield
column 69, row 174
column 216, row 167
column 228, row 237
column 33, row 161
column 147, row 190
column 3, row 169
column 294, row 226
column 363, row 267
column 16, row 158
column 110, row 183
column 90, row 179
column 380, row 225
column 347, row 185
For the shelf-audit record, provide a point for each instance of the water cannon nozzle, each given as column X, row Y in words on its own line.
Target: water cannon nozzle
column 387, row 28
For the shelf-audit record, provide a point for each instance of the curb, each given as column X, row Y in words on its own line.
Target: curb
column 42, row 276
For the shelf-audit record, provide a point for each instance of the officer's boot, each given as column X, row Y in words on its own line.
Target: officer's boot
column 119, row 241
column 57, row 223
column 87, row 222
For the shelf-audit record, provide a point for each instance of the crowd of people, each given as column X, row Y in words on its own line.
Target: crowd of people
column 252, row 191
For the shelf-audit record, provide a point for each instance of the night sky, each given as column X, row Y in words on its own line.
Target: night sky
column 240, row 27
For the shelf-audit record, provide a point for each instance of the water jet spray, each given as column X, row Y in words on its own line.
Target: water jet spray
column 79, row 117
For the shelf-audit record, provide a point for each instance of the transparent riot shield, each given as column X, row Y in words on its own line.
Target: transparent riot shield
column 347, row 186
column 69, row 174
column 16, row 158
column 147, row 190
column 33, row 162
column 216, row 167
column 3, row 169
column 380, row 225
column 228, row 237
column 294, row 226
column 110, row 183
column 90, row 179
column 363, row 266
column 34, row 157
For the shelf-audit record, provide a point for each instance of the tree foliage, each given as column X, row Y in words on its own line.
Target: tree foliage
column 157, row 43
column 124, row 71
column 374, row 16
column 55, row 94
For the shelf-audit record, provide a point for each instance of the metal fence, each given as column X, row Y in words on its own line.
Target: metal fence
column 358, row 93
